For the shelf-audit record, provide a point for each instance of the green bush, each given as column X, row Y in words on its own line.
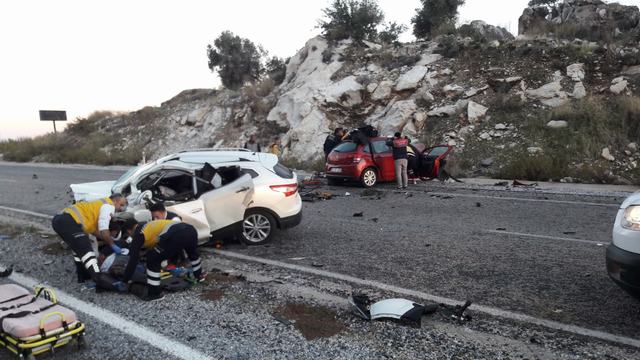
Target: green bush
column 432, row 15
column 391, row 33
column 276, row 70
column 448, row 46
column 356, row 19
column 237, row 60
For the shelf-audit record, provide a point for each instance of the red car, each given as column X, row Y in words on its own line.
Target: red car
column 373, row 163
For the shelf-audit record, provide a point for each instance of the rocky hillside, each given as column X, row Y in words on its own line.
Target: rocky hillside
column 544, row 105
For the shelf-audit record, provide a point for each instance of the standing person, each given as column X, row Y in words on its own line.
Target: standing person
column 332, row 141
column 276, row 147
column 252, row 144
column 77, row 222
column 163, row 239
column 399, row 145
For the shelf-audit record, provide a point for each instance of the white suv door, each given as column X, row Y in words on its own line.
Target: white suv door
column 226, row 205
column 193, row 213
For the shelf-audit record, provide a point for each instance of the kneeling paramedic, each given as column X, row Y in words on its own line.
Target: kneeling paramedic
column 77, row 222
column 163, row 239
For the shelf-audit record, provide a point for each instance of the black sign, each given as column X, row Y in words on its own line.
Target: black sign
column 53, row 115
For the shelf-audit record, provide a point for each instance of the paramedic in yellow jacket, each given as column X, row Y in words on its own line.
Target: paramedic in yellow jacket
column 163, row 240
column 85, row 218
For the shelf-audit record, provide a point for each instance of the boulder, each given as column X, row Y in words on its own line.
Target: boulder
column 428, row 59
column 411, row 78
column 550, row 94
column 633, row 147
column 448, row 110
column 383, row 90
column 480, row 30
column 346, row 92
column 579, row 91
column 396, row 118
column 618, row 85
column 485, row 136
column 606, row 154
column 576, row 72
column 534, row 150
column 532, row 20
column 476, row 112
column 500, row 127
column 557, row 124
column 453, row 90
column 473, row 91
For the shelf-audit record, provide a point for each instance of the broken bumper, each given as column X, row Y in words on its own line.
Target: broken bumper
column 291, row 221
column 624, row 269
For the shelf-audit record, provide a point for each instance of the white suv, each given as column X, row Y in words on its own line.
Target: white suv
column 253, row 195
column 623, row 255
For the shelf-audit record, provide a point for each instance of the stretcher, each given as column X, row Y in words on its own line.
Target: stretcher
column 34, row 324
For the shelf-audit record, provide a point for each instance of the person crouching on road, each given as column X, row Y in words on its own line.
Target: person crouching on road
column 77, row 222
column 399, row 146
column 163, row 239
column 159, row 212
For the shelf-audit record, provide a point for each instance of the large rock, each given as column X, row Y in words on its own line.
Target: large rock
column 606, row 154
column 479, row 29
column 448, row 110
column 383, row 91
column 550, row 94
column 346, row 92
column 476, row 112
column 576, row 72
column 411, row 78
column 557, row 124
column 579, row 91
column 396, row 117
column 618, row 85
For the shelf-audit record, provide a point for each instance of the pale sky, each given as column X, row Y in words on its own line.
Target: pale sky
column 81, row 56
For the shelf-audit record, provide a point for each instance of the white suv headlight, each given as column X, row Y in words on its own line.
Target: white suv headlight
column 631, row 218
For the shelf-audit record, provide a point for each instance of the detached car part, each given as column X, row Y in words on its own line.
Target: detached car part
column 399, row 309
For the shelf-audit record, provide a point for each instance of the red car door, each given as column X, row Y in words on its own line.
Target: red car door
column 384, row 160
column 432, row 160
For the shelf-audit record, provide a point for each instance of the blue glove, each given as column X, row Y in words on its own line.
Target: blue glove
column 116, row 249
column 120, row 286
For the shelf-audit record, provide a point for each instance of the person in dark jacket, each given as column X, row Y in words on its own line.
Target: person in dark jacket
column 332, row 141
column 399, row 145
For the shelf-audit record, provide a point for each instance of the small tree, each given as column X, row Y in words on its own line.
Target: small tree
column 356, row 19
column 276, row 69
column 434, row 14
column 237, row 60
column 391, row 33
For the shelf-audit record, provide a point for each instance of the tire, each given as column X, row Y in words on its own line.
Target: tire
column 369, row 178
column 258, row 227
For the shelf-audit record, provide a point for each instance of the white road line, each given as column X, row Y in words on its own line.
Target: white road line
column 118, row 322
column 593, row 242
column 27, row 212
column 475, row 196
column 574, row 329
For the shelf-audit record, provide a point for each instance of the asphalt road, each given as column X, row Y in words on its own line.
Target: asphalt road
column 536, row 254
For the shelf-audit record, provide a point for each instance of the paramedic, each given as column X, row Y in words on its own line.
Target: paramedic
column 162, row 239
column 77, row 222
column 399, row 146
column 159, row 212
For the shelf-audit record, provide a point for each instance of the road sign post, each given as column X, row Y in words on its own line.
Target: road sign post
column 53, row 115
